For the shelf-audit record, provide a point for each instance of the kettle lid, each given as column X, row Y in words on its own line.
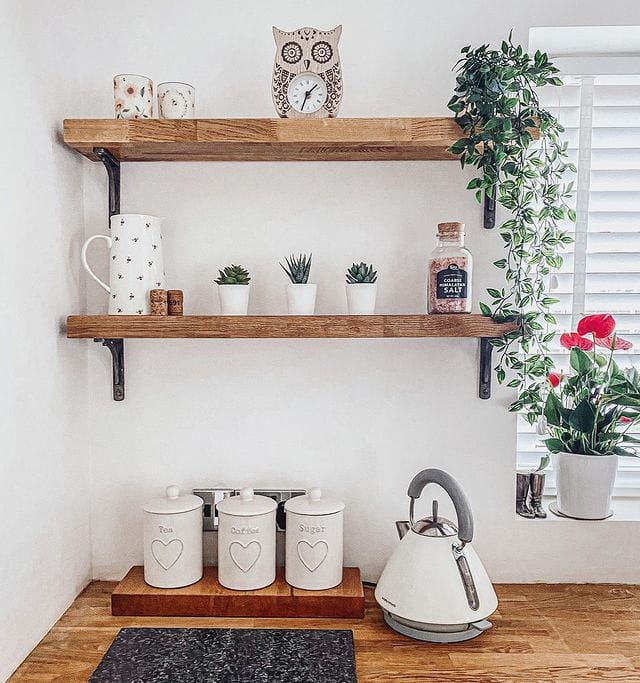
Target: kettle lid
column 434, row 525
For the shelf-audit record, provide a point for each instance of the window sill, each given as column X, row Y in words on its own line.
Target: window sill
column 625, row 509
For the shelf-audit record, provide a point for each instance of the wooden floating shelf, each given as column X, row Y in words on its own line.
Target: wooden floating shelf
column 283, row 326
column 362, row 139
column 207, row 598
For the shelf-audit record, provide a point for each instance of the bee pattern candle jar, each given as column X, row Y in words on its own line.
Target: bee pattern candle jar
column 173, row 540
column 246, row 541
column 313, row 555
column 450, row 270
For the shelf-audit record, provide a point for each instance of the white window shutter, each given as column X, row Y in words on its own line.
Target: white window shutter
column 601, row 272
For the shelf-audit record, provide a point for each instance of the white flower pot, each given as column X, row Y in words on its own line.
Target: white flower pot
column 584, row 484
column 301, row 299
column 361, row 298
column 234, row 299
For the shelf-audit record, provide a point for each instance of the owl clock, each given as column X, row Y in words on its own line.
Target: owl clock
column 307, row 80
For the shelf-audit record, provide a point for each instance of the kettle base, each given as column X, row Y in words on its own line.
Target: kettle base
column 472, row 630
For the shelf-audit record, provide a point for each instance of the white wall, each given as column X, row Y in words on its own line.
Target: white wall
column 359, row 418
column 45, row 557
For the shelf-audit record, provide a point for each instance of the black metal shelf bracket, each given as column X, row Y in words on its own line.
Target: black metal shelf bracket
column 116, row 346
column 486, row 349
column 112, row 165
column 489, row 211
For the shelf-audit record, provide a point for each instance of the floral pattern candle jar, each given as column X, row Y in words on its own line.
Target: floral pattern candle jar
column 450, row 270
column 133, row 96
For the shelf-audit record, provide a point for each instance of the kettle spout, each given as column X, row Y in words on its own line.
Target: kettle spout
column 402, row 528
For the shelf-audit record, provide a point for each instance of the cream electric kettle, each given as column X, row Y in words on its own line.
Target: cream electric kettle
column 434, row 586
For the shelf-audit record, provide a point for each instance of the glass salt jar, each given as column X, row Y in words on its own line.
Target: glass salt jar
column 450, row 270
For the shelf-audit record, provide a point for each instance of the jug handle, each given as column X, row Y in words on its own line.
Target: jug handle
column 451, row 486
column 85, row 246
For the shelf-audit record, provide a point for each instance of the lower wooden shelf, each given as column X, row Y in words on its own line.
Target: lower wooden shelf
column 112, row 330
column 207, row 598
column 283, row 326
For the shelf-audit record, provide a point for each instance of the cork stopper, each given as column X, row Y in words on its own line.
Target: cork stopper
column 158, row 300
column 450, row 231
column 174, row 301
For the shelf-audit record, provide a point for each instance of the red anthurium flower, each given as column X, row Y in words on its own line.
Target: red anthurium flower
column 601, row 325
column 625, row 420
column 621, row 344
column 571, row 339
column 554, row 379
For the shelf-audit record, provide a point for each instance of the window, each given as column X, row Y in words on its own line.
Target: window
column 600, row 110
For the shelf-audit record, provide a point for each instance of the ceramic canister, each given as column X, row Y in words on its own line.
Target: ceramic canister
column 135, row 262
column 314, row 541
column 173, row 540
column 246, row 541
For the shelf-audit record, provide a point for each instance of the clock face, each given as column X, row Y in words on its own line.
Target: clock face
column 307, row 93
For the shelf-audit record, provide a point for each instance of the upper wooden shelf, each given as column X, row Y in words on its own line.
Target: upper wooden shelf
column 265, row 139
column 283, row 326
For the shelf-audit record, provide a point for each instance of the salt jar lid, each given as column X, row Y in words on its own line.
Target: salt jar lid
column 313, row 503
column 247, row 504
column 173, row 503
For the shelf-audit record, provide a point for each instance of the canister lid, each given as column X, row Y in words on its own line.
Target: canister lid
column 246, row 504
column 313, row 503
column 173, row 503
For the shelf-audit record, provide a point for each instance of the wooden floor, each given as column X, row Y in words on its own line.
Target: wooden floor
column 541, row 633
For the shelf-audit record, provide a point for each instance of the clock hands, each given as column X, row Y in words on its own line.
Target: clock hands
column 306, row 96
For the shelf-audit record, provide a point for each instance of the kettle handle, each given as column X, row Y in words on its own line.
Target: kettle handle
column 457, row 495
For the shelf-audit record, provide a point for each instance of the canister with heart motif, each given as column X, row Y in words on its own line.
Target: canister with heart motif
column 173, row 540
column 246, row 541
column 313, row 557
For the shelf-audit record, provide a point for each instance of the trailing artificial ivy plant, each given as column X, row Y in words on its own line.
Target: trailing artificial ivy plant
column 497, row 106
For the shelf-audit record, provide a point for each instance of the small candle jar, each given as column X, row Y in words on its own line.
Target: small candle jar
column 450, row 271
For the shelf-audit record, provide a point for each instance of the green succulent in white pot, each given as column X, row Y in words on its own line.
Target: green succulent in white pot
column 233, row 290
column 589, row 416
column 301, row 294
column 362, row 289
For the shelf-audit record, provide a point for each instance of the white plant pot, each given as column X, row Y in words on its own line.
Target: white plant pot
column 361, row 298
column 301, row 299
column 584, row 484
column 234, row 299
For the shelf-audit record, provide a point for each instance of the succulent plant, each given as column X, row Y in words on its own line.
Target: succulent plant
column 233, row 275
column 298, row 268
column 361, row 273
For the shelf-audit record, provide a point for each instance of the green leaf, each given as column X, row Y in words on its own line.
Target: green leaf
column 582, row 418
column 580, row 361
column 553, row 410
column 554, row 445
column 618, row 450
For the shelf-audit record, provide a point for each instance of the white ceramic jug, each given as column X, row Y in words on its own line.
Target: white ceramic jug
column 135, row 262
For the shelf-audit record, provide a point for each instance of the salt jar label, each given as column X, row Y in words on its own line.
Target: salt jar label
column 451, row 283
